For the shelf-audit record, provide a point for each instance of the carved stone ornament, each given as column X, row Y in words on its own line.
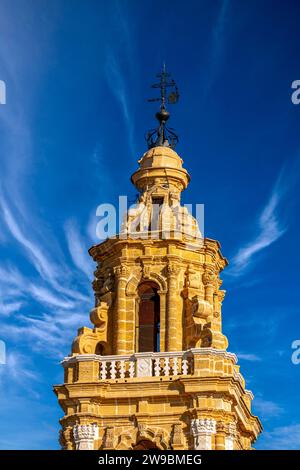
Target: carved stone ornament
column 202, row 431
column 201, row 308
column 203, row 426
column 146, row 271
column 120, row 271
column 177, row 436
column 172, row 270
column 84, row 436
column 208, row 278
column 109, row 440
column 192, row 279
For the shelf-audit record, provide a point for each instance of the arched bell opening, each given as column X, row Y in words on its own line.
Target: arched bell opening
column 148, row 318
column 99, row 349
column 144, row 445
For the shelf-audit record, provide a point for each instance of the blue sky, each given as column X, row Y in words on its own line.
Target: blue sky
column 77, row 76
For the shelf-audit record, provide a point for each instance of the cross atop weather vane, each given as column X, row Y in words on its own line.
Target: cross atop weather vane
column 163, row 136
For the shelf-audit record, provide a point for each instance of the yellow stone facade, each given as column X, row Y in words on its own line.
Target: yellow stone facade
column 188, row 393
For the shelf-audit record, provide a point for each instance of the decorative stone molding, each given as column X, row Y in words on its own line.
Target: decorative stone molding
column 109, row 439
column 85, row 435
column 192, row 278
column 202, row 430
column 159, row 436
column 87, row 339
column 146, row 269
column 178, row 441
column 132, row 285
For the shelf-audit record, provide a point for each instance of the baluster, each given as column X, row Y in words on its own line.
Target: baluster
column 103, row 370
column 185, row 366
column 131, row 369
column 157, row 367
column 113, row 369
column 166, row 366
column 122, row 369
column 175, row 365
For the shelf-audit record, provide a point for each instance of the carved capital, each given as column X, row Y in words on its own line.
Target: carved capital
column 121, row 272
column 203, row 426
column 202, row 431
column 208, row 278
column 172, row 270
column 84, row 436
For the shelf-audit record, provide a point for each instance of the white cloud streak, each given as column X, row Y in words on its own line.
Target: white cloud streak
column 266, row 408
column 44, row 267
column 282, row 438
column 120, row 58
column 7, row 308
column 269, row 228
column 249, row 357
column 17, row 369
column 76, row 248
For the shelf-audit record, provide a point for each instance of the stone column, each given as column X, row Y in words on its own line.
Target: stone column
column 85, row 435
column 202, row 431
column 230, row 438
column 172, row 308
column 220, row 436
column 163, row 319
column 120, row 314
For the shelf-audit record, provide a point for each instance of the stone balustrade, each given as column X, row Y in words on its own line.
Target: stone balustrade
column 194, row 361
column 146, row 365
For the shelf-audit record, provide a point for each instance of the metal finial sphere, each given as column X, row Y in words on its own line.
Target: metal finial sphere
column 162, row 115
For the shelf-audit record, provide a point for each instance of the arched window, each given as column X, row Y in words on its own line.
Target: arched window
column 148, row 322
column 145, row 444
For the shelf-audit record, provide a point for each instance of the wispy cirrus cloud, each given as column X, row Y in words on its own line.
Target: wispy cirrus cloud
column 57, row 309
column 249, row 357
column 46, row 297
column 43, row 265
column 270, row 226
column 282, row 438
column 120, row 68
column 76, row 248
column 7, row 308
column 217, row 41
column 17, row 368
column 266, row 408
column 51, row 333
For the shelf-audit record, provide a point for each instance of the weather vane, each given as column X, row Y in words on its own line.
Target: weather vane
column 163, row 135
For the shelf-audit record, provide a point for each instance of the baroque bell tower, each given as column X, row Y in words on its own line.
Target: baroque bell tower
column 154, row 371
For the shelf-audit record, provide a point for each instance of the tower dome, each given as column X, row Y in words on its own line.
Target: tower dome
column 161, row 165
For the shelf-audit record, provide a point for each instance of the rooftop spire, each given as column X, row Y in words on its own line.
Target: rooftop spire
column 163, row 135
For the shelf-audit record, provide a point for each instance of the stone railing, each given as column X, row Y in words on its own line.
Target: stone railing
column 195, row 361
column 146, row 365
